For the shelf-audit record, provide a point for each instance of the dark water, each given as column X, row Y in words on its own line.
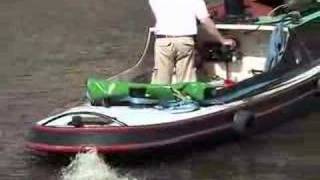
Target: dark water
column 48, row 49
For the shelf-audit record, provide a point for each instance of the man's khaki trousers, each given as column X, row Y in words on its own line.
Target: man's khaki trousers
column 174, row 56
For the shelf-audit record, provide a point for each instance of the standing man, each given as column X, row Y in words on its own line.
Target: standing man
column 175, row 29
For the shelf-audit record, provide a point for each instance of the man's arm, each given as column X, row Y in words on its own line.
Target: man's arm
column 211, row 28
column 203, row 16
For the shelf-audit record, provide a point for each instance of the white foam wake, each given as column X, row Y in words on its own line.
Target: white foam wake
column 90, row 166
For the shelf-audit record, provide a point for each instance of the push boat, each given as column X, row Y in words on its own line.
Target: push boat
column 276, row 63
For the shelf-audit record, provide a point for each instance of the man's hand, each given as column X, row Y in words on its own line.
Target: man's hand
column 229, row 42
column 211, row 28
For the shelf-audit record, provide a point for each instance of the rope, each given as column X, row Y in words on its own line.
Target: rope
column 277, row 8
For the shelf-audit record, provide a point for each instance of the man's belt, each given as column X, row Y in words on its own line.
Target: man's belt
column 174, row 36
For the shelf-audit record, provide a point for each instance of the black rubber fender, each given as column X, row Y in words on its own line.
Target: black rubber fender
column 243, row 122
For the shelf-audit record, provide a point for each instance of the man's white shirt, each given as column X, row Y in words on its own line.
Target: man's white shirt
column 178, row 17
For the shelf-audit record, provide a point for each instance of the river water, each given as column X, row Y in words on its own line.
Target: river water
column 49, row 48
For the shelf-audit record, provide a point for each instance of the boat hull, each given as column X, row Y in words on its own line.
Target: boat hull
column 117, row 140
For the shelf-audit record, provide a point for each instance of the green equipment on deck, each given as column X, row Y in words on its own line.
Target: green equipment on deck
column 106, row 92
